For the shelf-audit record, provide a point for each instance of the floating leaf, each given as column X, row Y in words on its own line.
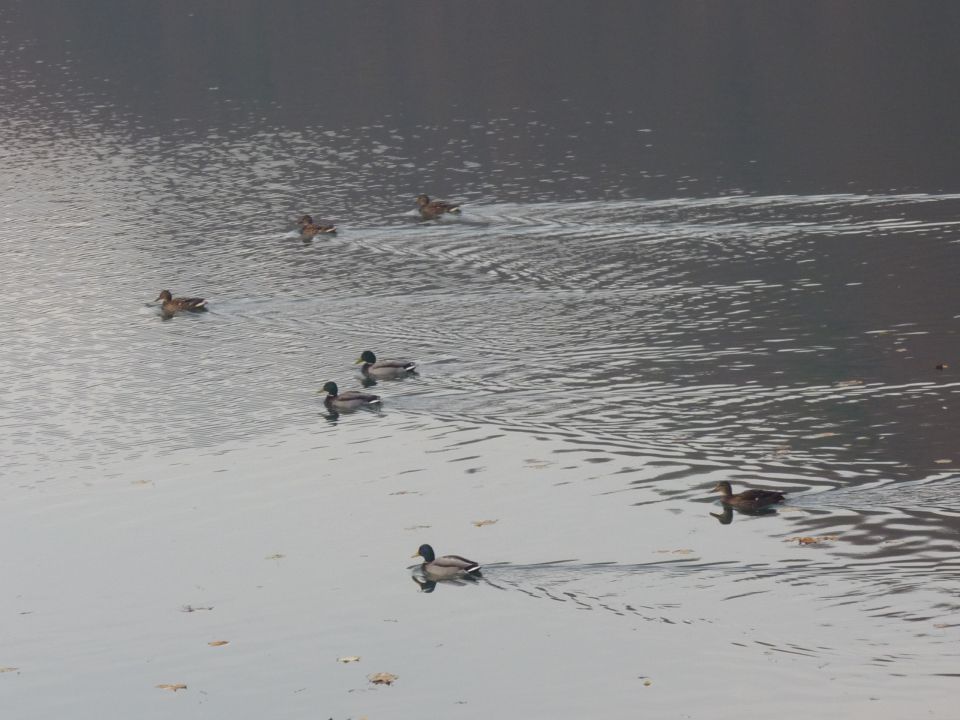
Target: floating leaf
column 806, row 540
column 218, row 643
column 349, row 659
column 172, row 687
column 276, row 556
column 8, row 669
column 648, row 682
column 382, row 678
column 939, row 626
column 943, row 461
column 481, row 523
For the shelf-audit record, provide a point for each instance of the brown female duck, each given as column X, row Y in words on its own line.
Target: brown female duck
column 748, row 499
column 431, row 209
column 172, row 305
column 310, row 229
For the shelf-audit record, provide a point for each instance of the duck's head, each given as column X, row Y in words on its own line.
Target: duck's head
column 366, row 357
column 426, row 552
column 164, row 296
column 330, row 388
column 423, row 200
column 724, row 487
column 305, row 220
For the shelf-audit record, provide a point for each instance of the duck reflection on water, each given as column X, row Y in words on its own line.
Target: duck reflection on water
column 726, row 516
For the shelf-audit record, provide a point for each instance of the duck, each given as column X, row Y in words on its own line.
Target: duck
column 172, row 305
column 384, row 368
column 350, row 400
column 445, row 567
column 748, row 499
column 431, row 209
column 309, row 229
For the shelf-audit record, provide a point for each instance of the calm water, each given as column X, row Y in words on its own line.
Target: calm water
column 698, row 244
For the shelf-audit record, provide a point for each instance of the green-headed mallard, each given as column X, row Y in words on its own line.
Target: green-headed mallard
column 350, row 400
column 172, row 305
column 384, row 368
column 310, row 229
column 430, row 209
column 445, row 567
column 748, row 499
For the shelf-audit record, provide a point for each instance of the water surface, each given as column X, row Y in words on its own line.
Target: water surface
column 653, row 286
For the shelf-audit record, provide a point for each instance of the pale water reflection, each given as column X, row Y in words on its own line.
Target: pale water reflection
column 629, row 310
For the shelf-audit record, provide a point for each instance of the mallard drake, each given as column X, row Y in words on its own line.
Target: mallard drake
column 350, row 400
column 384, row 368
column 445, row 567
column 309, row 229
column 748, row 499
column 430, row 209
column 172, row 305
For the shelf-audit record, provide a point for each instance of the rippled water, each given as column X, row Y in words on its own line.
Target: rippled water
column 592, row 361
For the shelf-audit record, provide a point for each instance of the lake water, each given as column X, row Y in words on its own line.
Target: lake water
column 698, row 243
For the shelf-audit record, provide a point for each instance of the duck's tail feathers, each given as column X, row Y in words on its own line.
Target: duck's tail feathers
column 410, row 367
column 455, row 210
column 331, row 229
column 474, row 571
column 374, row 401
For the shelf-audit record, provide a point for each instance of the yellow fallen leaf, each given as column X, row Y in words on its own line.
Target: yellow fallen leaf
column 806, row 540
column 647, row 683
column 8, row 669
column 382, row 678
column 349, row 659
column 218, row 643
column 172, row 688
column 481, row 523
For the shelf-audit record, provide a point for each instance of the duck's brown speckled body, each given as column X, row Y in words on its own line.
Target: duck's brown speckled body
column 310, row 229
column 748, row 499
column 172, row 305
column 431, row 209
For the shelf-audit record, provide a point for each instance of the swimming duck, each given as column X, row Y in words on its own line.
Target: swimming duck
column 172, row 305
column 430, row 209
column 350, row 400
column 748, row 499
column 445, row 567
column 384, row 368
column 309, row 229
